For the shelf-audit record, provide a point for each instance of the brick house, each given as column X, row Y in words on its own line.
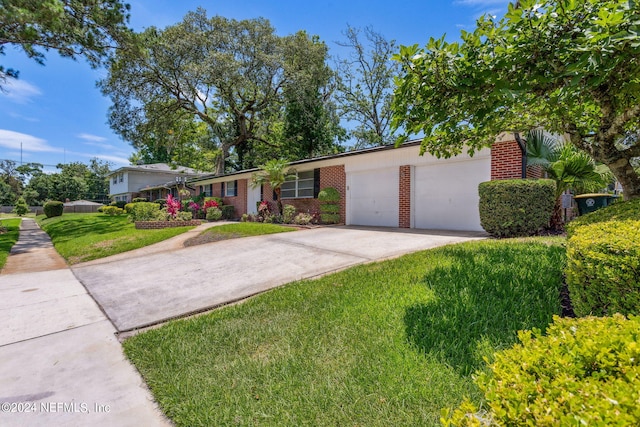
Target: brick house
column 383, row 186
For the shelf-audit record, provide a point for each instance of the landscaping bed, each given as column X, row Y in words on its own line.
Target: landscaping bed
column 234, row 231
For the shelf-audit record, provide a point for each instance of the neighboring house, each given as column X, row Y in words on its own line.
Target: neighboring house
column 152, row 182
column 383, row 186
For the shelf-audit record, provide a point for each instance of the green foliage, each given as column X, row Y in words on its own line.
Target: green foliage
column 289, row 212
column 214, row 214
column 228, row 211
column 516, row 207
column 619, row 211
column 138, row 199
column 329, row 205
column 79, row 28
column 9, row 233
column 53, row 208
column 128, row 208
column 275, row 172
column 303, row 219
column 218, row 200
column 365, row 85
column 603, row 265
column 580, row 372
column 144, row 211
column 21, row 208
column 112, row 210
column 119, row 203
column 566, row 66
column 184, row 216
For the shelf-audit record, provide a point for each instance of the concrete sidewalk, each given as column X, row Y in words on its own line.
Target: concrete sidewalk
column 61, row 362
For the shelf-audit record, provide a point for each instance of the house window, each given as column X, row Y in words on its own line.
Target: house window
column 230, row 188
column 300, row 187
column 121, row 177
column 115, row 179
column 206, row 190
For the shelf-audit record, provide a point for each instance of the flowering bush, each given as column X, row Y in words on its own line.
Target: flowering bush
column 194, row 208
column 263, row 210
column 210, row 204
column 173, row 206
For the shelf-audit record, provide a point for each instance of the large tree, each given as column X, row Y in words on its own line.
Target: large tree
column 365, row 85
column 569, row 66
column 75, row 28
column 225, row 73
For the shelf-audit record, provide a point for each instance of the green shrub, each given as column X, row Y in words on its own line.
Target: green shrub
column 161, row 202
column 53, row 208
column 112, row 210
column 145, row 211
column 303, row 219
column 120, row 204
column 603, row 268
column 329, row 205
column 214, row 214
column 618, row 211
column 581, row 372
column 138, row 199
column 228, row 211
column 101, row 208
column 128, row 208
column 516, row 207
column 288, row 214
column 184, row 216
column 21, row 208
column 218, row 200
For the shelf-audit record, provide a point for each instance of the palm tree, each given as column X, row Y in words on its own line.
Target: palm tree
column 569, row 167
column 275, row 173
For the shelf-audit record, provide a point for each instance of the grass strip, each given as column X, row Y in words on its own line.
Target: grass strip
column 84, row 237
column 10, row 231
column 233, row 231
column 389, row 343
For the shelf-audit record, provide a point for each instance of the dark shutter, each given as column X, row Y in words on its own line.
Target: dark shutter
column 222, row 189
column 275, row 196
column 210, row 190
column 316, row 183
column 235, row 187
column 261, row 193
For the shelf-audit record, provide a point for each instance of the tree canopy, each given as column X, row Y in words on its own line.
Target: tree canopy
column 569, row 66
column 75, row 28
column 228, row 74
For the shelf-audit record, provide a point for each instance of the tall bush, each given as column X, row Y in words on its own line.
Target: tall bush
column 145, row 211
column 516, row 207
column 21, row 208
column 53, row 208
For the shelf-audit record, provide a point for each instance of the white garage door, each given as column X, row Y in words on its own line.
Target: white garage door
column 446, row 194
column 373, row 197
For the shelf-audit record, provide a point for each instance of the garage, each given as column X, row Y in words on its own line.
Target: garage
column 372, row 197
column 446, row 194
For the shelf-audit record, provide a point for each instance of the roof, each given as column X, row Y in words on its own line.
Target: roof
column 317, row 159
column 158, row 167
column 82, row 203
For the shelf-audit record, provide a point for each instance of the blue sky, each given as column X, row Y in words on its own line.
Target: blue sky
column 57, row 115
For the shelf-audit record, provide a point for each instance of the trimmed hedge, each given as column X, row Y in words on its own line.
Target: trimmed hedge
column 581, row 372
column 619, row 211
column 516, row 207
column 329, row 205
column 603, row 268
column 112, row 210
column 145, row 211
column 53, row 208
column 228, row 211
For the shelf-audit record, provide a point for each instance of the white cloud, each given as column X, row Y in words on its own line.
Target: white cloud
column 91, row 138
column 13, row 140
column 19, row 91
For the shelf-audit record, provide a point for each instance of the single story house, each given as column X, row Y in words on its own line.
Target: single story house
column 154, row 181
column 383, row 186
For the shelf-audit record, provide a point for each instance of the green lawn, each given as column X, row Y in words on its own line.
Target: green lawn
column 233, row 231
column 384, row 344
column 84, row 237
column 8, row 238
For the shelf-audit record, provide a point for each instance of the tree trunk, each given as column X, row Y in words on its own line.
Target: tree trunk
column 556, row 222
column 627, row 176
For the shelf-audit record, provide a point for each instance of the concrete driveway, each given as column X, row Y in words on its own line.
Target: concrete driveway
column 145, row 289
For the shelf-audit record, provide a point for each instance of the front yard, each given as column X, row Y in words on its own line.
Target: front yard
column 9, row 231
column 389, row 343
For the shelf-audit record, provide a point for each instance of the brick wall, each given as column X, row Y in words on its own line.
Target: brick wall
column 404, row 194
column 506, row 160
column 535, row 171
column 239, row 202
column 153, row 225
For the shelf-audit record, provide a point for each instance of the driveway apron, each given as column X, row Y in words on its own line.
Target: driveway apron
column 61, row 364
column 143, row 290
